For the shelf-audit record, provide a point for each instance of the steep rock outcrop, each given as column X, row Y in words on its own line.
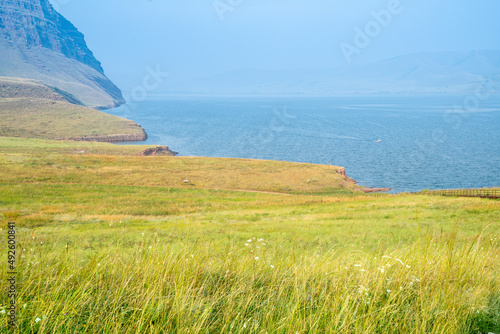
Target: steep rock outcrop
column 36, row 42
column 341, row 171
column 160, row 150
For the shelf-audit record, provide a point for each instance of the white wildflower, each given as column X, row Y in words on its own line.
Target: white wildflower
column 256, row 258
column 38, row 319
column 362, row 289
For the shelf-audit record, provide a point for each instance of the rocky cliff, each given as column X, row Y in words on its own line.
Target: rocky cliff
column 157, row 151
column 36, row 42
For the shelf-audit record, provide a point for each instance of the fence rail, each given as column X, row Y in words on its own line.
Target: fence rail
column 483, row 193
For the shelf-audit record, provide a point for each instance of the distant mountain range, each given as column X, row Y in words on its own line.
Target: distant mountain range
column 36, row 42
column 418, row 73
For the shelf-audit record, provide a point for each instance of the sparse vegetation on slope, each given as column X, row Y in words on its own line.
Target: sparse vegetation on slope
column 24, row 88
column 31, row 109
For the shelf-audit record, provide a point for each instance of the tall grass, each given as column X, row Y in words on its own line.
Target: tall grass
column 111, row 244
column 439, row 284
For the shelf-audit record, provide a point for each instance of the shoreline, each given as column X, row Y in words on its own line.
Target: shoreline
column 368, row 190
column 113, row 138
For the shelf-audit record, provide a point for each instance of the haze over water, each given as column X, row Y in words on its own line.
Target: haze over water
column 301, row 47
column 403, row 143
column 196, row 38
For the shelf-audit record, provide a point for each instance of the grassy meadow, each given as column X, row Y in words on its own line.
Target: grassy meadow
column 109, row 242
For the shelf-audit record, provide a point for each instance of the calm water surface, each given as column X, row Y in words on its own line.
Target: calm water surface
column 404, row 143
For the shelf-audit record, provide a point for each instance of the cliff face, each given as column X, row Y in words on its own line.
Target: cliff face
column 157, row 151
column 36, row 42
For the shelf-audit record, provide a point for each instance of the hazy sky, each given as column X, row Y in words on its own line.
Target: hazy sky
column 191, row 38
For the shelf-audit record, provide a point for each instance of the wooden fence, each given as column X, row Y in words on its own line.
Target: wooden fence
column 483, row 193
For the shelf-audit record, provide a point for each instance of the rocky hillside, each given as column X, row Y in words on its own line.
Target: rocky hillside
column 36, row 42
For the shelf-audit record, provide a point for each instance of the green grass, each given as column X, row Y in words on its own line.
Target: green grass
column 43, row 148
column 119, row 244
column 31, row 110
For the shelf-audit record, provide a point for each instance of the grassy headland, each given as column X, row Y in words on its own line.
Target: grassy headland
column 115, row 243
column 30, row 109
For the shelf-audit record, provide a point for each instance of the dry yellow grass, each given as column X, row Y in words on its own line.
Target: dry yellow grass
column 182, row 172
